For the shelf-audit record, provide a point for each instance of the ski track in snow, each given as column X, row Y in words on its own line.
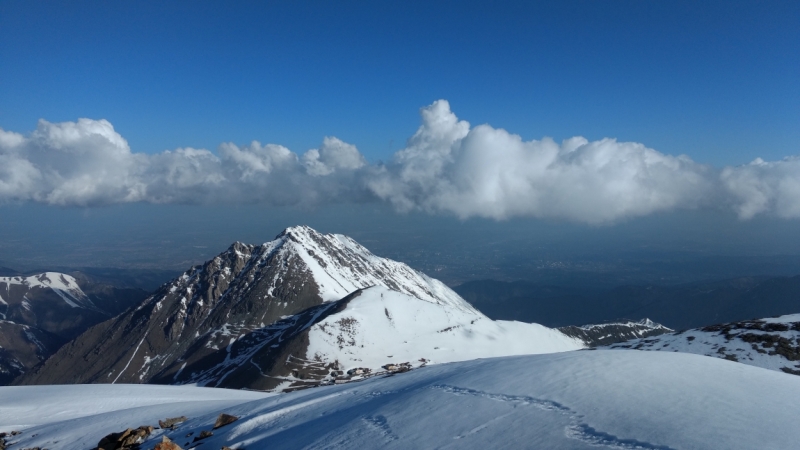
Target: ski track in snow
column 576, row 430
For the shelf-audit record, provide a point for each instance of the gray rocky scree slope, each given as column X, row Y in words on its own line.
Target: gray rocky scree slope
column 204, row 311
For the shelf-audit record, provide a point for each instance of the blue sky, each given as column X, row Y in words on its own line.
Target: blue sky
column 188, row 85
column 714, row 80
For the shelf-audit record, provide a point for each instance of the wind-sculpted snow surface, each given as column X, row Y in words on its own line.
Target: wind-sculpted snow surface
column 574, row 400
column 772, row 343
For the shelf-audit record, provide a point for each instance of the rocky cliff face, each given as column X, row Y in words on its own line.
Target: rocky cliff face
column 188, row 321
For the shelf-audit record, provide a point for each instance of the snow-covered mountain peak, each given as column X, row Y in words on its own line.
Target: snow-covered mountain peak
column 340, row 266
column 64, row 285
column 245, row 290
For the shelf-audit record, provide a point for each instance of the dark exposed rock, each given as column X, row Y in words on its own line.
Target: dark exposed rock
column 128, row 439
column 203, row 435
column 276, row 352
column 187, row 319
column 169, row 423
column 224, row 419
column 3, row 435
column 61, row 304
column 790, row 370
column 397, row 368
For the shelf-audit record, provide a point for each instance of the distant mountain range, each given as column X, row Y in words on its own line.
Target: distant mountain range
column 613, row 332
column 772, row 343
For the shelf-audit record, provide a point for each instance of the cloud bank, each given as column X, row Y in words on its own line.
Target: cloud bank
column 446, row 167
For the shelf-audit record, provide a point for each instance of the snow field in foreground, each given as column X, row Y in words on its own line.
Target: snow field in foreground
column 583, row 399
column 27, row 406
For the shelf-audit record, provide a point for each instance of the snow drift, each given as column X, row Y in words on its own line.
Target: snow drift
column 575, row 400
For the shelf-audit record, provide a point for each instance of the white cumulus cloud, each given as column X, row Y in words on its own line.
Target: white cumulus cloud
column 334, row 154
column 489, row 172
column 446, row 167
column 765, row 187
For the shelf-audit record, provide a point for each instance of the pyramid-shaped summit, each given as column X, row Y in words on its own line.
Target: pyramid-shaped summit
column 236, row 320
column 339, row 266
column 244, row 288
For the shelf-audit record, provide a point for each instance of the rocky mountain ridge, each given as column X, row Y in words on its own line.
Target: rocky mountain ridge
column 610, row 333
column 245, row 288
column 772, row 343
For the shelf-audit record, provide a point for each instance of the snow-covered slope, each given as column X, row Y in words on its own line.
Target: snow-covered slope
column 28, row 406
column 609, row 333
column 382, row 327
column 573, row 400
column 772, row 343
column 211, row 324
column 371, row 329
